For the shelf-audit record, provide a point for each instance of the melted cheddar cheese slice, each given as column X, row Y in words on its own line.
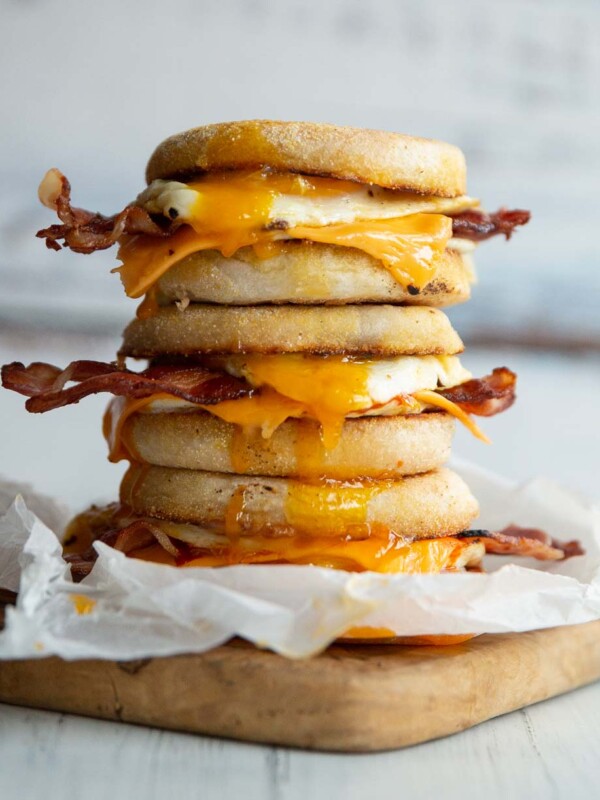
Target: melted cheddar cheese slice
column 226, row 211
column 373, row 554
column 326, row 388
column 376, row 549
column 387, row 554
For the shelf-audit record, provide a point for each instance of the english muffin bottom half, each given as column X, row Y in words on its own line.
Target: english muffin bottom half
column 437, row 503
column 368, row 447
column 309, row 273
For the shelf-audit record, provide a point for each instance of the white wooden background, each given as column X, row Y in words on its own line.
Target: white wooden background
column 93, row 87
column 546, row 752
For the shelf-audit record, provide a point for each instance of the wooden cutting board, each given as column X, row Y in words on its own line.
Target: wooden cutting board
column 351, row 698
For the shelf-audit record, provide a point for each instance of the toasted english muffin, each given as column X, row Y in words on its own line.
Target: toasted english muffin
column 308, row 273
column 350, row 329
column 391, row 160
column 436, row 503
column 371, row 447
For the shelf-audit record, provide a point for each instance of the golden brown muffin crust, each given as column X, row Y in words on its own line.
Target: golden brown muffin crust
column 368, row 447
column 391, row 160
column 436, row 503
column 352, row 329
column 307, row 273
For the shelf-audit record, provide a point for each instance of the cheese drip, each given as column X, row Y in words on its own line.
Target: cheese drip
column 373, row 554
column 331, row 388
column 364, row 633
column 326, row 388
column 407, row 247
column 379, row 550
column 227, row 211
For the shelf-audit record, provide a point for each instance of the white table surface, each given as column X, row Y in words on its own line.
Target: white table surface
column 551, row 750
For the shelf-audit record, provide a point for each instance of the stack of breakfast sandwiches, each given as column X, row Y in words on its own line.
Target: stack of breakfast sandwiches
column 300, row 382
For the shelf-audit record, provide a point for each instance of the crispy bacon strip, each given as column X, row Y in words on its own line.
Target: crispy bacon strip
column 142, row 533
column 135, row 536
column 529, row 542
column 479, row 225
column 82, row 563
column 44, row 384
column 86, row 231
column 484, row 396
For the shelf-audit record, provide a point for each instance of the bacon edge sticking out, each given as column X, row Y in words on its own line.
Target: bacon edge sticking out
column 529, row 542
column 86, row 231
column 485, row 396
column 138, row 534
column 44, row 384
column 479, row 225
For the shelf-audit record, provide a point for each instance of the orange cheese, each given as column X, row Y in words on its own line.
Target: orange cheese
column 234, row 210
column 266, row 410
column 373, row 554
column 118, row 411
column 406, row 246
column 348, row 544
column 367, row 632
column 324, row 388
column 432, row 398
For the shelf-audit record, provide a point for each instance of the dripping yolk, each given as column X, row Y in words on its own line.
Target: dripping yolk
column 332, row 508
column 326, row 388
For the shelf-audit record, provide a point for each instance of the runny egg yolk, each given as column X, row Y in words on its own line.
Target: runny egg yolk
column 226, row 211
column 326, row 388
column 331, row 388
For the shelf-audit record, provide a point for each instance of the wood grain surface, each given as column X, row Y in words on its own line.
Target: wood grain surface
column 349, row 699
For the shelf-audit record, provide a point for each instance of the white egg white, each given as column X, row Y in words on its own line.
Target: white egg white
column 365, row 202
column 387, row 378
column 407, row 374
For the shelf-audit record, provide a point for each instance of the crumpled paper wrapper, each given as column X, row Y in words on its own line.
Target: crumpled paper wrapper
column 129, row 609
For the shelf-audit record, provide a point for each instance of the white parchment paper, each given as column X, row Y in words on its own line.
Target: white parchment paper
column 138, row 609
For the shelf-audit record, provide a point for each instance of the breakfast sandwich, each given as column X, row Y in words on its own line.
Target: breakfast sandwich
column 297, row 382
